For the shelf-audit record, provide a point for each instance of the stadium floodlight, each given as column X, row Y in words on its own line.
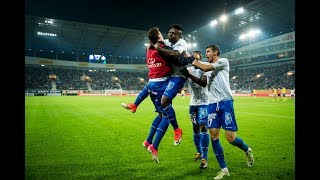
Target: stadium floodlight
column 46, row 34
column 223, row 18
column 213, row 23
column 239, row 10
column 250, row 34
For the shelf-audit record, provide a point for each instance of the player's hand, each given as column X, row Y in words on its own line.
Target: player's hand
column 194, row 64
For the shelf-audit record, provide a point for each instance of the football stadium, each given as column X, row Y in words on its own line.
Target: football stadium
column 81, row 79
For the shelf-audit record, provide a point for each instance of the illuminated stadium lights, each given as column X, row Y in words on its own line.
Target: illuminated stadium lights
column 46, row 34
column 213, row 23
column 223, row 18
column 49, row 21
column 290, row 73
column 250, row 34
column 191, row 40
column 239, row 10
column 259, row 75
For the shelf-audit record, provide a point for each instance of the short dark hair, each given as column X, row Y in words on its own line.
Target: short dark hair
column 214, row 47
column 153, row 34
column 198, row 52
column 178, row 27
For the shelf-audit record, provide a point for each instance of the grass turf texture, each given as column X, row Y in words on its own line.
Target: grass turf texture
column 81, row 137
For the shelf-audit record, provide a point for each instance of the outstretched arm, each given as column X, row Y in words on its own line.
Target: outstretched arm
column 202, row 82
column 203, row 67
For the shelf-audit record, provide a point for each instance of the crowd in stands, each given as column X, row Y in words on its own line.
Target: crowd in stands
column 263, row 77
column 37, row 78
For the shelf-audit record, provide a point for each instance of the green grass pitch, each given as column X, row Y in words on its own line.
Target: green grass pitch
column 82, row 137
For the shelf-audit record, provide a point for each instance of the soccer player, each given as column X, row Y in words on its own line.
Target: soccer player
column 159, row 72
column 176, row 81
column 183, row 93
column 274, row 91
column 198, row 110
column 221, row 109
column 278, row 94
column 254, row 93
column 284, row 91
column 292, row 93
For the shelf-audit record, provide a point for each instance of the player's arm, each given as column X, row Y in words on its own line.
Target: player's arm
column 202, row 82
column 177, row 58
column 203, row 67
column 184, row 59
column 173, row 54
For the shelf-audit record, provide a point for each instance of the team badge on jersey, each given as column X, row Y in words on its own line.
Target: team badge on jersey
column 203, row 112
column 227, row 118
column 170, row 85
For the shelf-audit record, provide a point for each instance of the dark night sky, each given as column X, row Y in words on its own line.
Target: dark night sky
column 140, row 15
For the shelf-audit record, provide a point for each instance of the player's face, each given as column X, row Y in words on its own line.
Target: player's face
column 196, row 56
column 211, row 55
column 173, row 35
column 160, row 37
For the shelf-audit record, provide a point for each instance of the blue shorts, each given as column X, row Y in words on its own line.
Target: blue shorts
column 199, row 114
column 222, row 114
column 174, row 86
column 156, row 90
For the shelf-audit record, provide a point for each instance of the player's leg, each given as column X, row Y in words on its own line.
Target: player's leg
column 153, row 129
column 214, row 125
column 174, row 86
column 227, row 115
column 140, row 97
column 157, row 89
column 202, row 117
column 196, row 131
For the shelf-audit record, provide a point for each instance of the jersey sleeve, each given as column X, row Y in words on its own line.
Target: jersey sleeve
column 220, row 64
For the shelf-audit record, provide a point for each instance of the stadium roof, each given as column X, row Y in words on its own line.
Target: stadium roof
column 272, row 17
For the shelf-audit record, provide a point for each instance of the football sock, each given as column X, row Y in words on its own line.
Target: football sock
column 218, row 152
column 170, row 113
column 196, row 140
column 153, row 128
column 161, row 130
column 204, row 143
column 141, row 96
column 240, row 144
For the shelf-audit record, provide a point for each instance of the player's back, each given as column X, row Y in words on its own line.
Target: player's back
column 158, row 67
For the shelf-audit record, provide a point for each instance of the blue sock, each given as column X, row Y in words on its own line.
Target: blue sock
column 196, row 140
column 153, row 128
column 204, row 143
column 218, row 152
column 240, row 144
column 162, row 128
column 141, row 96
column 171, row 114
